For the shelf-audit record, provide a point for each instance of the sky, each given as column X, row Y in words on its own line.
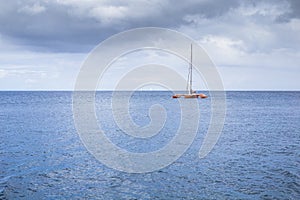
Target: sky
column 254, row 44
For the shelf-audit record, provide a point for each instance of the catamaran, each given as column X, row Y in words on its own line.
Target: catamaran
column 190, row 92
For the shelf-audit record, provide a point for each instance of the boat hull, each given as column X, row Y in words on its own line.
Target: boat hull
column 189, row 96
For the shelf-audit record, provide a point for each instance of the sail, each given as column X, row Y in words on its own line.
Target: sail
column 190, row 74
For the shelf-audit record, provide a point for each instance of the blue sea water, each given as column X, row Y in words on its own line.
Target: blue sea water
column 256, row 157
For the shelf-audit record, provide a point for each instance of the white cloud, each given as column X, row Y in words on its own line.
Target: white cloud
column 34, row 9
column 3, row 73
column 22, row 69
column 264, row 9
column 109, row 15
column 30, row 81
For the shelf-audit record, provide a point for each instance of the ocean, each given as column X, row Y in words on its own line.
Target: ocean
column 256, row 157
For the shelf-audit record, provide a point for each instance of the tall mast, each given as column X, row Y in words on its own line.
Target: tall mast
column 191, row 69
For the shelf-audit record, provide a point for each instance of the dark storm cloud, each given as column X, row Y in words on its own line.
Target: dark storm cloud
column 78, row 26
column 294, row 12
column 52, row 29
column 55, row 26
column 295, row 8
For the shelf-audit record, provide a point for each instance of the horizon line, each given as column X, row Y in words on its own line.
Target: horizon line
column 229, row 90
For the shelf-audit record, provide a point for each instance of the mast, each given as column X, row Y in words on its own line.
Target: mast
column 191, row 70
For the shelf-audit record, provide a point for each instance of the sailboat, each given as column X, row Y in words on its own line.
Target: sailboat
column 190, row 92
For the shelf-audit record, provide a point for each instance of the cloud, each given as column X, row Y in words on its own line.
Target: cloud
column 3, row 73
column 35, row 9
column 22, row 69
column 294, row 12
column 79, row 25
column 109, row 14
column 54, row 36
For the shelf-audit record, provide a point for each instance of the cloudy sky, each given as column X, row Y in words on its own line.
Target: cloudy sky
column 254, row 44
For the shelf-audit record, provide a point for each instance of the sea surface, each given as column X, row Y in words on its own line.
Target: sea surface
column 256, row 157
